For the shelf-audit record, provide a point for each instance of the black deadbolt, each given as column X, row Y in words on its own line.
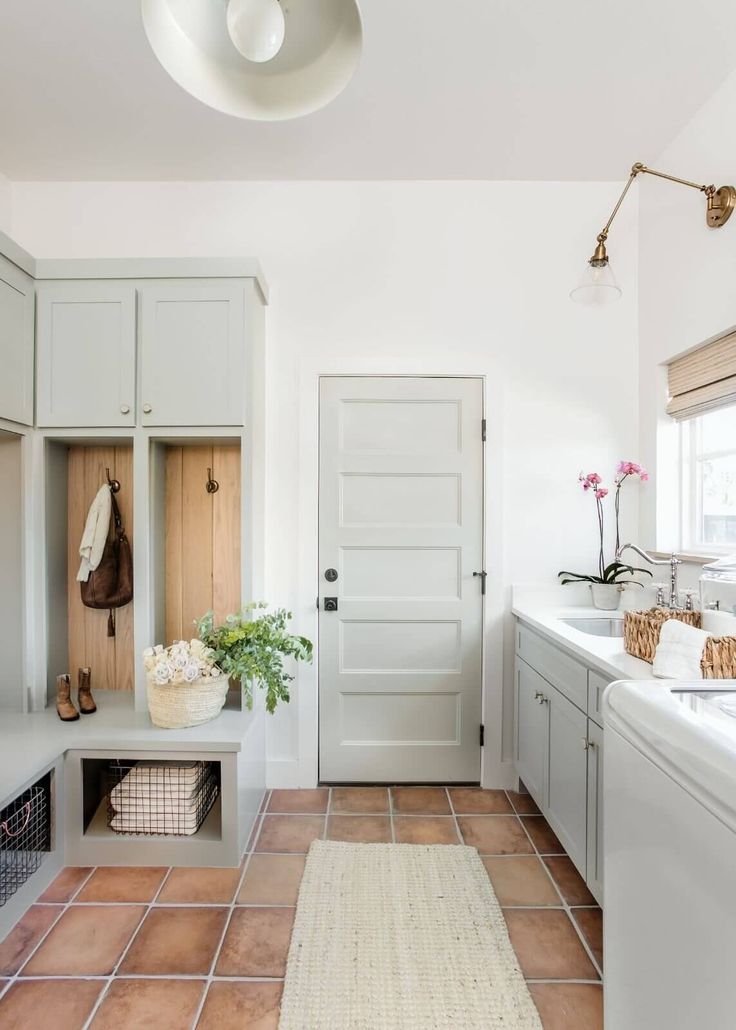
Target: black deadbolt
column 330, row 604
column 331, row 575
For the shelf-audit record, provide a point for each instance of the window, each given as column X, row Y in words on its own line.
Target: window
column 709, row 482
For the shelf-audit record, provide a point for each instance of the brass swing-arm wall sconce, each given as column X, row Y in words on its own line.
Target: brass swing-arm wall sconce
column 598, row 284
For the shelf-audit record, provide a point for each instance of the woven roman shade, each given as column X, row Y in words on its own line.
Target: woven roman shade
column 704, row 379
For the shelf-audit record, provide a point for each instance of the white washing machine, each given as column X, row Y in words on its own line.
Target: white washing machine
column 670, row 856
column 669, row 825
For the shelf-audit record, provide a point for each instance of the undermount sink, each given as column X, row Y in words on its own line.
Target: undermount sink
column 598, row 627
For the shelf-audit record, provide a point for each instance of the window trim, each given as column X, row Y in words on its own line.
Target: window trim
column 691, row 490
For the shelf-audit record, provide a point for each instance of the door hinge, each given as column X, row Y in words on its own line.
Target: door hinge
column 482, row 735
column 317, row 604
column 483, row 430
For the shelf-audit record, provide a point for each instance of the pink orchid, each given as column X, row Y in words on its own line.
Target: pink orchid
column 593, row 477
column 601, row 493
column 644, row 475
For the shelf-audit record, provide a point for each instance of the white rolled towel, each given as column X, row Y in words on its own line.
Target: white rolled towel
column 679, row 651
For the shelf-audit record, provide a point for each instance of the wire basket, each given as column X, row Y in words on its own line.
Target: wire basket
column 164, row 798
column 25, row 836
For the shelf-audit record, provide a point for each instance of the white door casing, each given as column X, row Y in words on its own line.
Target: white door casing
column 401, row 522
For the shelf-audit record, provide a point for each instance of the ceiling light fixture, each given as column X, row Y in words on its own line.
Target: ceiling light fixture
column 257, row 28
column 265, row 60
column 598, row 283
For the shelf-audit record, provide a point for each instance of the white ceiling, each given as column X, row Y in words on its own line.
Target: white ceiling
column 447, row 89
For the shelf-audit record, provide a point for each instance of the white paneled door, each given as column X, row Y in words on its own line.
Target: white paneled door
column 400, row 590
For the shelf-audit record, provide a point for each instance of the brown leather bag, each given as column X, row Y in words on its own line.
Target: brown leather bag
column 110, row 585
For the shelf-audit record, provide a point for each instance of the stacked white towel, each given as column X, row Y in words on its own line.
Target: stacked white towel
column 163, row 797
column 679, row 651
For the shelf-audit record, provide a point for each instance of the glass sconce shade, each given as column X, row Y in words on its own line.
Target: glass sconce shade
column 596, row 286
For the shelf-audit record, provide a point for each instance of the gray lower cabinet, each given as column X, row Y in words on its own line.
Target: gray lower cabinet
column 16, row 344
column 566, row 776
column 559, row 748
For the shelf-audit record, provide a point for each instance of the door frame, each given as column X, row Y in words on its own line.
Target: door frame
column 318, row 583
column 497, row 768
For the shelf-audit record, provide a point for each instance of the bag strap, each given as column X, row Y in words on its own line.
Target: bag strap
column 117, row 518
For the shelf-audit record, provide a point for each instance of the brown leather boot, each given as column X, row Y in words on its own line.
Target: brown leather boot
column 64, row 707
column 86, row 701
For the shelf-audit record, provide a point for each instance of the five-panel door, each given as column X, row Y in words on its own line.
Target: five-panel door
column 400, row 538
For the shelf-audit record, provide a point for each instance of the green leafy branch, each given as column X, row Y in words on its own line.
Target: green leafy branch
column 252, row 649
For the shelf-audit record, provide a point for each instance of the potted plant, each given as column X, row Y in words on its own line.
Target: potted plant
column 253, row 649
column 606, row 585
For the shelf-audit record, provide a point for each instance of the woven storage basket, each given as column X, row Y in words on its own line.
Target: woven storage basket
column 641, row 630
column 175, row 706
column 719, row 658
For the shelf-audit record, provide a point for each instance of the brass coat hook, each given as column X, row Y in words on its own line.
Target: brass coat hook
column 212, row 486
column 114, row 484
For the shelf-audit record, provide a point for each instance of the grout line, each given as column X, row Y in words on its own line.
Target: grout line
column 454, row 816
column 391, row 815
column 565, row 905
column 327, row 813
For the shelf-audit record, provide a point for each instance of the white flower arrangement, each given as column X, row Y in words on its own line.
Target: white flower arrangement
column 184, row 661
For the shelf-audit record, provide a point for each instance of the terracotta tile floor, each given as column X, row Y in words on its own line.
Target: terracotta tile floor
column 174, row 949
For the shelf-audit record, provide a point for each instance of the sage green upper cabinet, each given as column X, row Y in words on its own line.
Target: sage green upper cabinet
column 16, row 344
column 192, row 353
column 86, row 340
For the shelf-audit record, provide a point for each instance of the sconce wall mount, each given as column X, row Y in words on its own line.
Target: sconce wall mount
column 598, row 284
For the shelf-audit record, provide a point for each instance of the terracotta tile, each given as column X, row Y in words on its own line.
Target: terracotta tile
column 569, row 1006
column 520, row 881
column 175, row 942
column 123, row 883
column 359, row 800
column 495, row 834
column 474, row 801
column 572, row 886
column 153, row 1004
column 590, row 921
column 359, row 829
column 66, row 884
column 420, row 800
column 311, row 801
column 289, row 833
column 545, row 840
column 272, row 880
column 245, row 1006
column 86, row 940
column 61, row 1004
column 25, row 935
column 425, row 829
column 256, row 942
column 202, row 885
column 547, row 946
column 524, row 804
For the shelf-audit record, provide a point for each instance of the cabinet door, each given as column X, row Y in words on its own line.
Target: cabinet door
column 192, row 351
column 567, row 776
column 86, row 355
column 531, row 730
column 16, row 344
column 594, row 875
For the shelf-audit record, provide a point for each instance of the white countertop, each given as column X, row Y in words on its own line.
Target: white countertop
column 31, row 743
column 604, row 654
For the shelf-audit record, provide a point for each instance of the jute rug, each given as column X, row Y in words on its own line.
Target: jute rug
column 401, row 937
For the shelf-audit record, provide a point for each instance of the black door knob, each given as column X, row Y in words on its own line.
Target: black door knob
column 330, row 604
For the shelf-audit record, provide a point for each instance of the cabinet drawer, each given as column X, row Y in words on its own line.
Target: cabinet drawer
column 596, row 685
column 563, row 672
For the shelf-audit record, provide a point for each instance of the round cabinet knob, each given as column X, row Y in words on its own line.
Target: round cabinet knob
column 147, row 409
column 124, row 409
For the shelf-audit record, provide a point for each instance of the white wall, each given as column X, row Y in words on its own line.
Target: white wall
column 416, row 278
column 687, row 286
column 5, row 200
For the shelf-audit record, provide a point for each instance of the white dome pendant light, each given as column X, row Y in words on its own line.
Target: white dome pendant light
column 268, row 60
column 256, row 28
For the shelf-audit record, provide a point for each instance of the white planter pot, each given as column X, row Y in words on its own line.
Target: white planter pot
column 606, row 596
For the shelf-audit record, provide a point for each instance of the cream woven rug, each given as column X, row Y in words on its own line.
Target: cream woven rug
column 401, row 937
